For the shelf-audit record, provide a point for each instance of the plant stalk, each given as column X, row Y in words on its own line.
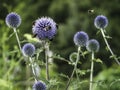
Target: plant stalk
column 108, row 46
column 47, row 58
column 18, row 40
column 91, row 72
column 33, row 69
column 75, row 67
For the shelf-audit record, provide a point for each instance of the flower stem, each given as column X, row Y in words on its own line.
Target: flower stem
column 18, row 40
column 108, row 46
column 75, row 67
column 33, row 69
column 91, row 72
column 47, row 58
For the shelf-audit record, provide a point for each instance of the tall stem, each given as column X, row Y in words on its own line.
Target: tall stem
column 91, row 72
column 18, row 40
column 108, row 46
column 46, row 58
column 33, row 69
column 75, row 67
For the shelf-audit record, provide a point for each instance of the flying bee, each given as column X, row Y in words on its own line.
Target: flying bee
column 91, row 11
column 47, row 28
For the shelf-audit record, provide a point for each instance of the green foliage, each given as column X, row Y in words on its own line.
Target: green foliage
column 71, row 16
column 108, row 79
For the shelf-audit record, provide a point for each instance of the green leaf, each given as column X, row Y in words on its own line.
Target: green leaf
column 63, row 75
column 113, row 56
column 98, row 32
column 82, row 72
column 108, row 37
column 30, row 38
column 98, row 60
column 84, row 53
column 106, row 48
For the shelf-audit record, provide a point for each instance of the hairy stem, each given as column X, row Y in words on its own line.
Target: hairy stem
column 18, row 40
column 46, row 58
column 75, row 67
column 33, row 68
column 91, row 72
column 108, row 46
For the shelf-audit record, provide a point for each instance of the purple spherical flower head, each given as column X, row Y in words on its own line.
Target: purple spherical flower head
column 39, row 85
column 13, row 20
column 93, row 45
column 101, row 22
column 80, row 38
column 44, row 28
column 28, row 49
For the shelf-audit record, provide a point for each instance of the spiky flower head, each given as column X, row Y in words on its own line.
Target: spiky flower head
column 80, row 38
column 13, row 20
column 39, row 85
column 44, row 28
column 28, row 49
column 93, row 45
column 101, row 22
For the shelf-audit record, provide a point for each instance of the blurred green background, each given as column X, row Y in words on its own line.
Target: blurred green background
column 71, row 16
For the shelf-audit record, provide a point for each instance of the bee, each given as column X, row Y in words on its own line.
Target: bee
column 47, row 28
column 91, row 11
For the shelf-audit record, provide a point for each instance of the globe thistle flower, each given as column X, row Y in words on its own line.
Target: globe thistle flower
column 80, row 38
column 101, row 22
column 44, row 28
column 93, row 45
column 13, row 20
column 39, row 85
column 28, row 49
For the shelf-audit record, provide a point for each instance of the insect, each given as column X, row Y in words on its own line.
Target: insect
column 91, row 11
column 47, row 28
